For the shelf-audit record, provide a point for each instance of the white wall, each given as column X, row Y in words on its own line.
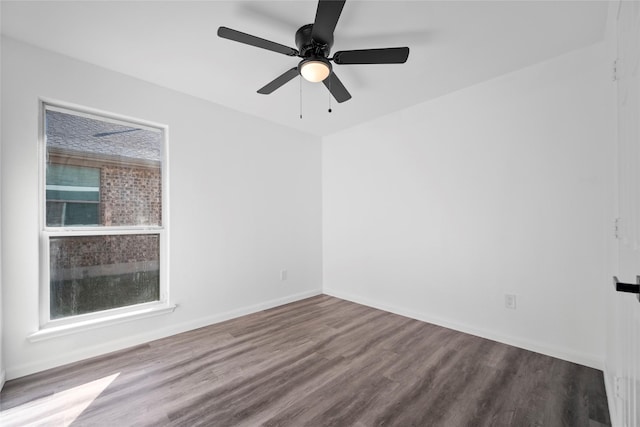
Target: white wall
column 439, row 210
column 245, row 202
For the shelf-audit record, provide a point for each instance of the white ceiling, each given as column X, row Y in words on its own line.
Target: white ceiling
column 453, row 45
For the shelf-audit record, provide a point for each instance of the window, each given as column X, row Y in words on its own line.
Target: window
column 73, row 195
column 103, row 204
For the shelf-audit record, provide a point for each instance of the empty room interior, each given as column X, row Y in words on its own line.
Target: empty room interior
column 310, row 213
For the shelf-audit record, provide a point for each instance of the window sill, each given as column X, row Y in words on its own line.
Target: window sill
column 85, row 325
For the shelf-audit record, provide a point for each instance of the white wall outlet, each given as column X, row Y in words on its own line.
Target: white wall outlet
column 283, row 274
column 510, row 301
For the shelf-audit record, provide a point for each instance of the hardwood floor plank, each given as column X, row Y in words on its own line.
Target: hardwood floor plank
column 321, row 361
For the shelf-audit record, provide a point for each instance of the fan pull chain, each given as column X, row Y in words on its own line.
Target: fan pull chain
column 300, row 97
column 330, row 96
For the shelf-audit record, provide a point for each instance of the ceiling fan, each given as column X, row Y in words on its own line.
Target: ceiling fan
column 314, row 42
column 101, row 134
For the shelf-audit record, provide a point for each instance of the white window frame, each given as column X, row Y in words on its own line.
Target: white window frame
column 49, row 328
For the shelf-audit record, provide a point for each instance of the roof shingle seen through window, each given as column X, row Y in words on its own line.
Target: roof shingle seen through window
column 83, row 134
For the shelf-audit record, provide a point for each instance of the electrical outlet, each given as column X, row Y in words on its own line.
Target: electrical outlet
column 283, row 274
column 510, row 301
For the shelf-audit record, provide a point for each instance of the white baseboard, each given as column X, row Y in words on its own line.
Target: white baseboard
column 3, row 379
column 611, row 397
column 538, row 347
column 130, row 341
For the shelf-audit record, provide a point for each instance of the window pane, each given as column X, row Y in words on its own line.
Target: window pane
column 93, row 273
column 116, row 165
column 55, row 214
column 67, row 187
column 71, row 213
column 65, row 194
column 72, row 176
column 81, row 214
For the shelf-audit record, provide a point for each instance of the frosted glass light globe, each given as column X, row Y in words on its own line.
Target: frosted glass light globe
column 315, row 71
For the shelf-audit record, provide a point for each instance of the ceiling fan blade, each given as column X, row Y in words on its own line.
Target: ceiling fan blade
column 391, row 55
column 327, row 16
column 101, row 134
column 337, row 89
column 279, row 81
column 228, row 33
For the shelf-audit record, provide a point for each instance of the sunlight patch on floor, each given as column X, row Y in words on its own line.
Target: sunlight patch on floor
column 59, row 409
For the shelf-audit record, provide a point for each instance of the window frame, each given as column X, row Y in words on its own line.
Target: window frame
column 62, row 326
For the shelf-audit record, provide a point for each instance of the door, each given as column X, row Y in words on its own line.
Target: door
column 627, row 305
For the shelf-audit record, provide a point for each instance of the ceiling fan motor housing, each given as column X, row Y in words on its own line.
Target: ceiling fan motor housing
column 308, row 47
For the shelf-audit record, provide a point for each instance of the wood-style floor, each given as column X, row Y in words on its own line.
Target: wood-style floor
column 317, row 362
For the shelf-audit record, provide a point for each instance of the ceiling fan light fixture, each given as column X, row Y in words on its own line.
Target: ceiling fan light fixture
column 315, row 70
